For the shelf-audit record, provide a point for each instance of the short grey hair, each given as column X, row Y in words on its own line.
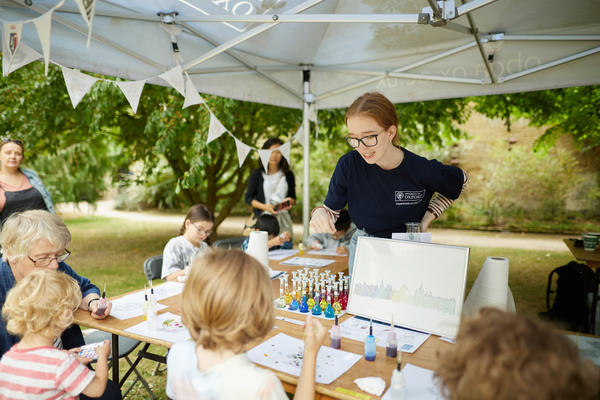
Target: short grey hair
column 21, row 231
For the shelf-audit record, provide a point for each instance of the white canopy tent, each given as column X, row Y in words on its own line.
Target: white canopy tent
column 326, row 53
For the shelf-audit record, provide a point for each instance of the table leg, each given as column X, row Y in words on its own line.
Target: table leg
column 115, row 359
column 594, row 303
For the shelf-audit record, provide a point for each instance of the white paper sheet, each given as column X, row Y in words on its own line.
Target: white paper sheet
column 281, row 254
column 290, row 320
column 170, row 329
column 326, row 252
column 408, row 340
column 284, row 353
column 589, row 347
column 167, row 289
column 274, row 274
column 419, row 384
column 130, row 306
column 308, row 262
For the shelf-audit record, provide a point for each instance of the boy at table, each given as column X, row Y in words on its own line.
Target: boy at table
column 227, row 302
column 338, row 241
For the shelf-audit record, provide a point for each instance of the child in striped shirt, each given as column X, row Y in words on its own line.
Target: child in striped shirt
column 38, row 309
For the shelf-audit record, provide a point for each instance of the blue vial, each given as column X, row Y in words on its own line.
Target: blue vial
column 370, row 346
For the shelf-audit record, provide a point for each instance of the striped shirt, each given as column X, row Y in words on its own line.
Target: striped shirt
column 42, row 373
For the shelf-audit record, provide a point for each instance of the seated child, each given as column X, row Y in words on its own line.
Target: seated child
column 227, row 303
column 38, row 309
column 339, row 241
column 268, row 223
column 504, row 356
column 180, row 250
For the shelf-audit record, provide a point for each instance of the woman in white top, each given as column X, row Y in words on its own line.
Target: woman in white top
column 276, row 186
column 180, row 250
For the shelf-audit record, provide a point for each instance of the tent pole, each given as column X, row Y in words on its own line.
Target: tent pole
column 308, row 98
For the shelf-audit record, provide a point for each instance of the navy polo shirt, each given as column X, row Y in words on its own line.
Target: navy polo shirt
column 380, row 201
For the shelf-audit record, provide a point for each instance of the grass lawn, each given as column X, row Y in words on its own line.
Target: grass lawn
column 114, row 250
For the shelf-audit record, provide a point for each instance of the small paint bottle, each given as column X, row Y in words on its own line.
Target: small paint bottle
column 336, row 335
column 370, row 346
column 102, row 304
column 397, row 385
column 391, row 348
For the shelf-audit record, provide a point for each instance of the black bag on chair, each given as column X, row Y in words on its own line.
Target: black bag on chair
column 570, row 308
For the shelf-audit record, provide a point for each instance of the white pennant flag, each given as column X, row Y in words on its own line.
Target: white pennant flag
column 285, row 151
column 23, row 56
column 265, row 155
column 43, row 24
column 192, row 96
column 242, row 151
column 174, row 78
column 78, row 84
column 132, row 91
column 11, row 38
column 299, row 136
column 312, row 113
column 215, row 129
column 87, row 9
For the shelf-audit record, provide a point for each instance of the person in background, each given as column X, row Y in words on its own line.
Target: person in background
column 269, row 224
column 179, row 251
column 21, row 189
column 384, row 185
column 38, row 309
column 227, row 302
column 34, row 240
column 276, row 186
column 504, row 356
column 338, row 241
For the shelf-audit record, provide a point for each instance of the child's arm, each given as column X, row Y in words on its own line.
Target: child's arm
column 314, row 334
column 97, row 386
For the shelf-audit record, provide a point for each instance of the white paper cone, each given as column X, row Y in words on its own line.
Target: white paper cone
column 242, row 151
column 490, row 288
column 132, row 91
column 78, row 84
column 258, row 247
column 299, row 136
column 285, row 151
column 192, row 97
column 215, row 129
column 174, row 78
column 43, row 24
column 265, row 155
column 22, row 57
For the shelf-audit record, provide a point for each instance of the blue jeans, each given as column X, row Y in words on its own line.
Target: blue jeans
column 352, row 248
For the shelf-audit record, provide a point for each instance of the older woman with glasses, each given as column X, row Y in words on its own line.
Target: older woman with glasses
column 384, row 184
column 179, row 251
column 21, row 189
column 37, row 239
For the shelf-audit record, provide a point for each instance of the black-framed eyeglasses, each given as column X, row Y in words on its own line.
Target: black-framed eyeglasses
column 207, row 233
column 45, row 261
column 15, row 141
column 367, row 141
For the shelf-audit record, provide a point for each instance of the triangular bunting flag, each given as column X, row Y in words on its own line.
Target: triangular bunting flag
column 312, row 113
column 132, row 91
column 299, row 136
column 285, row 151
column 87, row 8
column 265, row 155
column 43, row 24
column 242, row 151
column 78, row 84
column 11, row 38
column 174, row 78
column 22, row 57
column 215, row 129
column 192, row 96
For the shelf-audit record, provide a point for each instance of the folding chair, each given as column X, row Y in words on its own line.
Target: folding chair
column 126, row 346
column 230, row 243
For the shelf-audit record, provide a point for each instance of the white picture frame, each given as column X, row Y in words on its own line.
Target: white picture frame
column 421, row 284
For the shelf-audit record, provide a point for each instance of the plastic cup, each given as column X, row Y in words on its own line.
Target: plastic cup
column 413, row 227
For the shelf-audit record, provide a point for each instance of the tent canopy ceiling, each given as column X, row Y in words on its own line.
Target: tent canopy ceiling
column 256, row 50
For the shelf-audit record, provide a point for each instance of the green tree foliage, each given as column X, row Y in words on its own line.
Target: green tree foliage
column 574, row 111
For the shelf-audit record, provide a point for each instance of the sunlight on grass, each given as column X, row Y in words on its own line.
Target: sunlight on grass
column 113, row 251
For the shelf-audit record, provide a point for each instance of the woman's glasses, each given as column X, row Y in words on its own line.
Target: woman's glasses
column 207, row 233
column 367, row 141
column 45, row 261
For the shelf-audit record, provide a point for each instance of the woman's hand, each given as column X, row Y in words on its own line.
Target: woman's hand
column 322, row 221
column 292, row 202
column 426, row 221
column 270, row 208
column 94, row 309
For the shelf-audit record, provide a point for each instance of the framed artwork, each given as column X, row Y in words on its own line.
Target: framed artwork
column 422, row 285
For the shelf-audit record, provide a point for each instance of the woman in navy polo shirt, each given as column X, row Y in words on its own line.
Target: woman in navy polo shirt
column 384, row 184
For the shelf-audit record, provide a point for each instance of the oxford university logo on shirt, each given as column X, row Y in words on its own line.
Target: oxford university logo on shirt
column 408, row 197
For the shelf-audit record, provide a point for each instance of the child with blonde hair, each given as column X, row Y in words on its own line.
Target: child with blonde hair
column 38, row 309
column 227, row 303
